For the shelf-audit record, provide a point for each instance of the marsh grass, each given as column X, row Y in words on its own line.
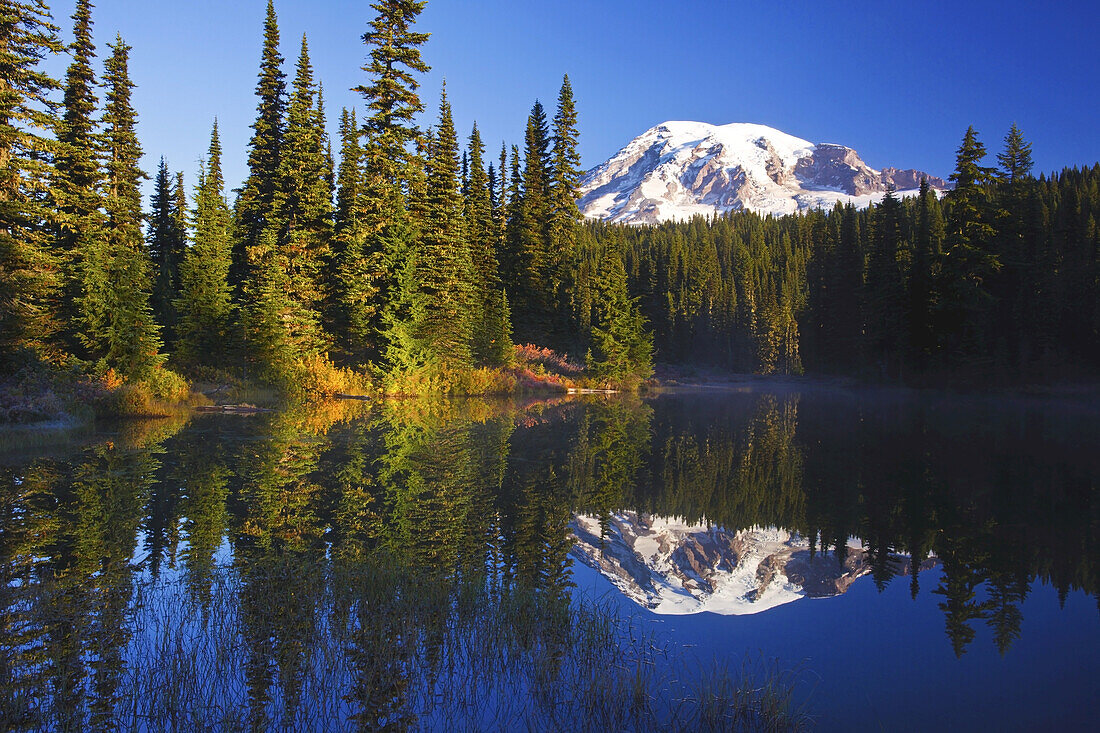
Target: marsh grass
column 352, row 645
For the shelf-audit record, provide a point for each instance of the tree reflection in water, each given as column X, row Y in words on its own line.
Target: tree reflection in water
column 388, row 566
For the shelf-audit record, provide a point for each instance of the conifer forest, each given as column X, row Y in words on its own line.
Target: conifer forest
column 409, row 256
column 366, row 420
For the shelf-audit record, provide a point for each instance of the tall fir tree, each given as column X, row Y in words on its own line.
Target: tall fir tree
column 204, row 302
column 393, row 167
column 28, row 269
column 255, row 204
column 76, row 187
column 1017, row 254
column 117, row 324
column 444, row 270
column 1016, row 160
column 391, row 92
column 621, row 354
column 532, row 288
column 564, row 214
column 303, row 202
column 167, row 243
column 927, row 249
column 969, row 262
column 885, row 303
column 492, row 342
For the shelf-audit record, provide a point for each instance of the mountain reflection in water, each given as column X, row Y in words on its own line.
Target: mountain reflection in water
column 725, row 501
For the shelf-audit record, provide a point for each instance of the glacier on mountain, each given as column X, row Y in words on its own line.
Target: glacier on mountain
column 673, row 567
column 677, row 170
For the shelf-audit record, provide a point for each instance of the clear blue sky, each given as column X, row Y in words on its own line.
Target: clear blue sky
column 899, row 82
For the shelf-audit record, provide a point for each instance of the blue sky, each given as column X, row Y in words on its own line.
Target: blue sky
column 899, row 82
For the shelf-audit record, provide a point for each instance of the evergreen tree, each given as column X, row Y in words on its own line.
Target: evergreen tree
column 391, row 93
column 564, row 215
column 622, row 348
column 75, row 190
column 492, row 333
column 167, row 243
column 116, row 316
column 356, row 281
column 303, row 201
column 444, row 270
column 205, row 303
column 1016, row 159
column 1017, row 256
column 886, row 312
column 969, row 262
column 927, row 249
column 392, row 171
column 256, row 202
column 533, row 282
column 28, row 271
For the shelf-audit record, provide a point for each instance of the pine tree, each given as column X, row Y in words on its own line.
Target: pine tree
column 492, row 333
column 885, row 305
column 303, row 202
column 256, row 202
column 204, row 303
column 75, row 190
column 392, row 172
column 444, row 270
column 356, row 280
column 167, row 242
column 564, row 214
column 927, row 249
column 391, row 93
column 969, row 261
column 1016, row 159
column 531, row 255
column 28, row 271
column 116, row 316
column 622, row 348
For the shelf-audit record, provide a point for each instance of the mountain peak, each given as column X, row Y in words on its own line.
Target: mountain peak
column 679, row 169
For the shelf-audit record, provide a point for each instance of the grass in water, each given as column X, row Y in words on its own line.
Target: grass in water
column 361, row 646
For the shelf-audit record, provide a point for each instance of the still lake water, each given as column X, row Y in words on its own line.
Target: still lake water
column 907, row 561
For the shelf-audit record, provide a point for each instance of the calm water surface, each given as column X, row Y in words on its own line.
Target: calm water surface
column 905, row 560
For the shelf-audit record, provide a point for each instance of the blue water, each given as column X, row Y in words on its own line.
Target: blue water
column 869, row 660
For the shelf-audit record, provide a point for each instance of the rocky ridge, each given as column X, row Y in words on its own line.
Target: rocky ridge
column 675, row 568
column 677, row 170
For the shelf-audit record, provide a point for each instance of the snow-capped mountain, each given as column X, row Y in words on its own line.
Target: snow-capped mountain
column 679, row 169
column 676, row 568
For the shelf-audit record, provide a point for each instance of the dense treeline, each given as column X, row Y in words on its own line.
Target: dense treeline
column 415, row 260
column 393, row 263
column 999, row 277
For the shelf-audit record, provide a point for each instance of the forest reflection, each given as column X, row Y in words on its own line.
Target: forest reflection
column 366, row 542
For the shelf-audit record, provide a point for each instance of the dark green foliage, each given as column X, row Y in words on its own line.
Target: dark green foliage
column 75, row 189
column 167, row 243
column 28, row 268
column 391, row 92
column 1016, row 159
column 117, row 325
column 564, row 215
column 492, row 343
column 443, row 266
column 302, row 215
column 621, row 348
column 530, row 258
column 256, row 201
column 205, row 303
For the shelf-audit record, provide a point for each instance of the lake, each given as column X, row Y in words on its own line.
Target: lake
column 858, row 558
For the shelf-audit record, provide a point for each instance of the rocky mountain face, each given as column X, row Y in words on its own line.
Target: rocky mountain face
column 675, row 568
column 679, row 169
